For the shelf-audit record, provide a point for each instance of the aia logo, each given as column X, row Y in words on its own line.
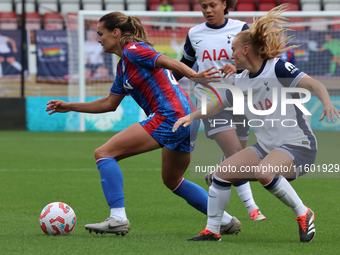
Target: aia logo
column 215, row 55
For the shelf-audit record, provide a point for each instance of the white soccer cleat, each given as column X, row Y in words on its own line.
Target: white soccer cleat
column 110, row 225
column 233, row 227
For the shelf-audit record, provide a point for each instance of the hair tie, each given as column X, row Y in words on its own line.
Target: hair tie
column 129, row 18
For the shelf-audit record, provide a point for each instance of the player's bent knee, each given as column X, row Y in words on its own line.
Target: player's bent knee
column 172, row 183
column 100, row 153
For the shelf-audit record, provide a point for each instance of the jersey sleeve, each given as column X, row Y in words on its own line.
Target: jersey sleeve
column 287, row 73
column 188, row 51
column 142, row 55
column 245, row 27
column 117, row 86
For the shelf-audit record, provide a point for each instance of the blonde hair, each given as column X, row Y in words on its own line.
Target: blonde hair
column 131, row 27
column 263, row 39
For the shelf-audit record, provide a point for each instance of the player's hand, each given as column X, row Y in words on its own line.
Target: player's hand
column 228, row 70
column 54, row 106
column 207, row 76
column 329, row 112
column 185, row 121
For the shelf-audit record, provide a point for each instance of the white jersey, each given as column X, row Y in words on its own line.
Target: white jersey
column 3, row 45
column 211, row 46
column 274, row 129
column 93, row 51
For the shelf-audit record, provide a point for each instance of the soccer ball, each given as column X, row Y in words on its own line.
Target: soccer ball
column 57, row 219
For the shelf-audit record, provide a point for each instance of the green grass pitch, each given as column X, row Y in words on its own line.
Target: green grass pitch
column 39, row 168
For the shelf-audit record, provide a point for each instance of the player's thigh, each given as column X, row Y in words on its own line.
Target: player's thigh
column 239, row 167
column 228, row 141
column 276, row 162
column 174, row 165
column 131, row 141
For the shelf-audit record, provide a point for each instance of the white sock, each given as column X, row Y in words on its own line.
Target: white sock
column 285, row 192
column 246, row 196
column 0, row 70
column 118, row 213
column 218, row 200
column 17, row 65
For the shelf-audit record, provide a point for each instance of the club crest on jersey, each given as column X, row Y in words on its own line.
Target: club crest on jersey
column 265, row 83
column 133, row 47
column 214, row 55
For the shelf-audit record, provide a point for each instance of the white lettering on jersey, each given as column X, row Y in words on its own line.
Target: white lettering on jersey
column 290, row 67
column 127, row 85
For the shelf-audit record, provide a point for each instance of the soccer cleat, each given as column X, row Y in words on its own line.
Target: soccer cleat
column 233, row 227
column 208, row 178
column 206, row 235
column 110, row 225
column 257, row 215
column 306, row 226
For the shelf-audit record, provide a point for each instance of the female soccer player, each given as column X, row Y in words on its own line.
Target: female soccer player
column 142, row 73
column 209, row 44
column 286, row 143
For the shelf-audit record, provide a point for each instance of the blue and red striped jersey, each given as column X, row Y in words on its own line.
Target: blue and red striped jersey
column 154, row 89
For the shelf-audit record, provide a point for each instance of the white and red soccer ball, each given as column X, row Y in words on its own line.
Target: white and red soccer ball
column 57, row 218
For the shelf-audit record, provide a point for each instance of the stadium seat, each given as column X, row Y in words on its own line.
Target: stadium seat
column 297, row 20
column 52, row 20
column 150, row 2
column 318, row 24
column 180, row 2
column 331, row 6
column 136, row 6
column 33, row 21
column 197, row 7
column 69, row 6
column 335, row 26
column 47, row 6
column 310, row 6
column 181, row 7
column 114, row 5
column 72, row 21
column 266, row 6
column 8, row 20
column 246, row 6
column 153, row 7
column 29, row 6
column 6, row 5
column 92, row 5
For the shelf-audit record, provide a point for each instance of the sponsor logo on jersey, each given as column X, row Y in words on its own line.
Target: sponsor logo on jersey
column 199, row 41
column 214, row 55
column 133, row 47
column 290, row 67
column 127, row 85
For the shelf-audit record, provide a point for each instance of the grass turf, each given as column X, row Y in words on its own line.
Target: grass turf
column 39, row 168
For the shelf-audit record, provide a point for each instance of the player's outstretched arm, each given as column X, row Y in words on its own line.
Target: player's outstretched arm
column 329, row 110
column 106, row 104
column 176, row 66
column 212, row 109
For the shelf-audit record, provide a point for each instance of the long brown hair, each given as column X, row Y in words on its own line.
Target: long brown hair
column 131, row 27
column 263, row 39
